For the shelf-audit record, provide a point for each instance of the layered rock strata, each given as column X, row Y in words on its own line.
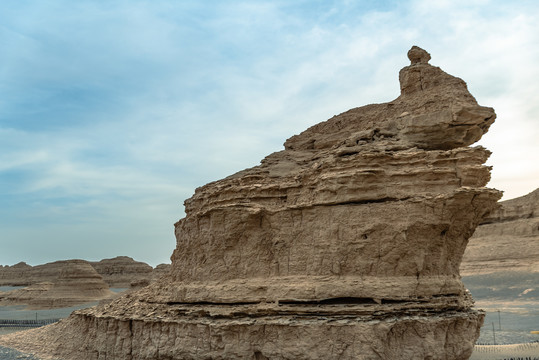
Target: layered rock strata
column 118, row 272
column 345, row 245
column 22, row 274
column 78, row 283
column 161, row 270
column 121, row 271
column 507, row 241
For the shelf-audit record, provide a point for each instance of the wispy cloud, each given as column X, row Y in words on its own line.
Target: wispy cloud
column 112, row 113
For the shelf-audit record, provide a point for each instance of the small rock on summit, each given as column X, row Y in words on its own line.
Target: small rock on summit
column 418, row 55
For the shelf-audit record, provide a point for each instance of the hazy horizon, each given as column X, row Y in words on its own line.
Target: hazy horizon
column 89, row 260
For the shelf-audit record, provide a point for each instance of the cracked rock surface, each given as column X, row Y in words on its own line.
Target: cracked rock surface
column 345, row 245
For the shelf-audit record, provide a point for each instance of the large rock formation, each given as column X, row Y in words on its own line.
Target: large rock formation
column 118, row 272
column 345, row 245
column 78, row 283
column 121, row 271
column 507, row 240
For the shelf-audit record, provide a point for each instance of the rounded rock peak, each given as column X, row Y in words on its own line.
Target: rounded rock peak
column 418, row 55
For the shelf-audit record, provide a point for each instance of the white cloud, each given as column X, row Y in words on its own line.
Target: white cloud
column 175, row 95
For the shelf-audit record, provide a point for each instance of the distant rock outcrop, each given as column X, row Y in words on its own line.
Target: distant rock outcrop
column 121, row 271
column 25, row 296
column 507, row 240
column 78, row 283
column 118, row 272
column 345, row 245
column 22, row 274
column 161, row 270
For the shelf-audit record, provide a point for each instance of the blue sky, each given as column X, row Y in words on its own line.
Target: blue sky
column 113, row 112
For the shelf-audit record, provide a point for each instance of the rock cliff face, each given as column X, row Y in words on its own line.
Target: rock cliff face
column 345, row 245
column 507, row 241
column 78, row 283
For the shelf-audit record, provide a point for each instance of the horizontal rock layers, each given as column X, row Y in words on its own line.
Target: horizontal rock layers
column 121, row 271
column 170, row 333
column 345, row 245
column 78, row 283
column 118, row 272
column 507, row 240
column 22, row 274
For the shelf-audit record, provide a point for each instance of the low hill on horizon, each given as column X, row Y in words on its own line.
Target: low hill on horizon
column 117, row 272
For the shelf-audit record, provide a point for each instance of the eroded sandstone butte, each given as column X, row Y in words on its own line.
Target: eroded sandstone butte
column 507, row 241
column 118, row 272
column 345, row 245
column 121, row 271
column 77, row 283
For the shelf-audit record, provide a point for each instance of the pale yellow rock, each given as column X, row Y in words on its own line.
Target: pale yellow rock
column 345, row 245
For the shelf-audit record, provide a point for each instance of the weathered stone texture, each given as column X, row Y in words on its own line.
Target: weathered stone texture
column 345, row 245
column 507, row 241
column 443, row 336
